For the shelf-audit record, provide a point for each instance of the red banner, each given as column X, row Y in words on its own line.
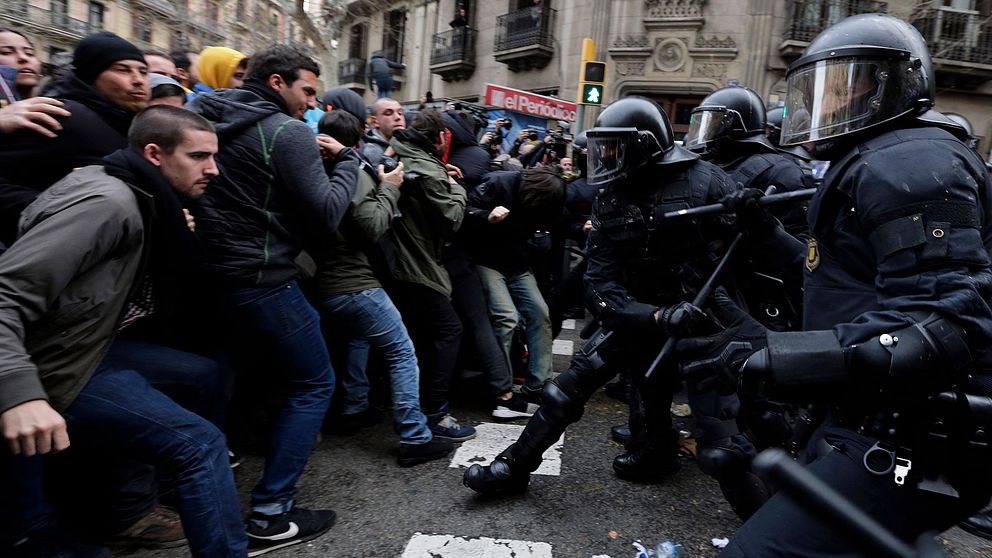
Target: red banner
column 529, row 103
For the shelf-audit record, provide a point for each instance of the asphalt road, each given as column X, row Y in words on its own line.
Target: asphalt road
column 385, row 511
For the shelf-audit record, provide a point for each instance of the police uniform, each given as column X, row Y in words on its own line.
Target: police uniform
column 897, row 318
column 635, row 270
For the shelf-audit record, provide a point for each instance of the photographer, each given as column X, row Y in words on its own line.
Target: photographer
column 492, row 140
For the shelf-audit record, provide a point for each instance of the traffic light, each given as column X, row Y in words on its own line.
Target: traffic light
column 591, row 82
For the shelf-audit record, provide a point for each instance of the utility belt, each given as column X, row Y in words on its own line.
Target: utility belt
column 940, row 445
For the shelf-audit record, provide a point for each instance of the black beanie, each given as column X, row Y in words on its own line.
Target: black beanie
column 99, row 51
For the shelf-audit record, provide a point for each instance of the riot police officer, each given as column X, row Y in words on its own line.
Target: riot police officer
column 897, row 288
column 636, row 282
column 773, row 131
column 728, row 128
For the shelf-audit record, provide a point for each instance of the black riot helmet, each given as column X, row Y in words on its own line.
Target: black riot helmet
column 732, row 114
column 857, row 75
column 773, row 125
column 630, row 133
column 580, row 150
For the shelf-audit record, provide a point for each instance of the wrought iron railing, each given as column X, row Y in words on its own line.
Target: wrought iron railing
column 351, row 70
column 22, row 9
column 531, row 26
column 808, row 17
column 456, row 44
column 953, row 35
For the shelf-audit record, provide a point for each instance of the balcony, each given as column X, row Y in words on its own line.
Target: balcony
column 162, row 7
column 453, row 54
column 960, row 44
column 351, row 74
column 23, row 15
column 524, row 38
column 808, row 17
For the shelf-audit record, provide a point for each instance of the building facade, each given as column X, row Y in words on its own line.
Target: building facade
column 55, row 26
column 674, row 51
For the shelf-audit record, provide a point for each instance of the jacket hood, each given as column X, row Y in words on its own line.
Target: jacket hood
column 231, row 111
column 460, row 133
column 71, row 88
column 217, row 66
column 342, row 98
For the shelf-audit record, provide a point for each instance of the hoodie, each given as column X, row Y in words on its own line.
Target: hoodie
column 466, row 154
column 342, row 98
column 217, row 66
column 30, row 162
column 272, row 190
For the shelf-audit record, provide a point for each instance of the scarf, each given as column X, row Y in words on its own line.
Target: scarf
column 263, row 90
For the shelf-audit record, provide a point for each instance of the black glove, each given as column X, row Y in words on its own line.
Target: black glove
column 685, row 320
column 714, row 361
column 753, row 219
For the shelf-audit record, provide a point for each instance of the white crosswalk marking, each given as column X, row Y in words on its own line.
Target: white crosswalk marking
column 568, row 324
column 448, row 546
column 493, row 438
column 562, row 347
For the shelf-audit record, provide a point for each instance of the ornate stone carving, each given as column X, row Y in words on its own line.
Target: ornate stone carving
column 715, row 42
column 674, row 8
column 670, row 55
column 631, row 41
column 630, row 68
column 710, row 70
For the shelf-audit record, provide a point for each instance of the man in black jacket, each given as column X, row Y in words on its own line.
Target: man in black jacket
column 107, row 87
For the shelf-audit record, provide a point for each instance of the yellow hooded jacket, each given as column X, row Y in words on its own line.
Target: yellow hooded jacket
column 217, row 66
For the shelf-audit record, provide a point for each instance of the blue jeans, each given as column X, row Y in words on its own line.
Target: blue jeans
column 369, row 319
column 282, row 322
column 510, row 299
column 120, row 412
column 384, row 87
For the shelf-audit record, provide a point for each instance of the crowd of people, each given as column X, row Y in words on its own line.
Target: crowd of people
column 190, row 271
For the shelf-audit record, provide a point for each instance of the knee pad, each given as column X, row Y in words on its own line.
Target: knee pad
column 558, row 405
column 720, row 461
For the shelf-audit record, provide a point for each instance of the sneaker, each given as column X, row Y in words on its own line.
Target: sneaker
column 448, row 429
column 159, row 529
column 415, row 454
column 235, row 458
column 513, row 408
column 270, row 532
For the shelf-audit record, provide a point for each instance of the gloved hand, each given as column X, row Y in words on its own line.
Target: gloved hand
column 685, row 320
column 714, row 361
column 753, row 219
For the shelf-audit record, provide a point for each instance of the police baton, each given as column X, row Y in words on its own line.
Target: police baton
column 707, row 290
column 717, row 208
column 837, row 511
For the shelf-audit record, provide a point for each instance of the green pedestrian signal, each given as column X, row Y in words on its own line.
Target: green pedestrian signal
column 592, row 94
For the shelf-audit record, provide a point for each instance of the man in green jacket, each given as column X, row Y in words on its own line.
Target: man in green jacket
column 432, row 206
column 356, row 310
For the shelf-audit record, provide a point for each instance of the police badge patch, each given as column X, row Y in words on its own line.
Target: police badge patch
column 812, row 255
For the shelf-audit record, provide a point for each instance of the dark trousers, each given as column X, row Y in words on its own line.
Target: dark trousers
column 469, row 300
column 436, row 332
column 784, row 528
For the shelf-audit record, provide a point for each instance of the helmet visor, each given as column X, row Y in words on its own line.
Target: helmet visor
column 610, row 153
column 831, row 98
column 706, row 126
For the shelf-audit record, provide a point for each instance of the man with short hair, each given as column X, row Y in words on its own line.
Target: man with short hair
column 387, row 117
column 273, row 194
column 160, row 63
column 107, row 87
column 84, row 247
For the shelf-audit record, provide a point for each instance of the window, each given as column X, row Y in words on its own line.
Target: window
column 142, row 28
column 394, row 27
column 60, row 12
column 95, row 17
column 356, row 42
column 211, row 12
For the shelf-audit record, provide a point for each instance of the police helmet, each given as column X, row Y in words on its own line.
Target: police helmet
column 580, row 145
column 865, row 71
column 630, row 133
column 734, row 114
column 773, row 125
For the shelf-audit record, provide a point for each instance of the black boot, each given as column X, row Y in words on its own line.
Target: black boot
column 621, row 434
column 502, row 476
column 646, row 465
column 979, row 525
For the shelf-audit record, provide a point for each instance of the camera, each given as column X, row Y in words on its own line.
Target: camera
column 389, row 165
